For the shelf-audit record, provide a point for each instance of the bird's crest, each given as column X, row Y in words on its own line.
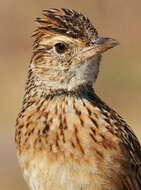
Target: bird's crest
column 67, row 22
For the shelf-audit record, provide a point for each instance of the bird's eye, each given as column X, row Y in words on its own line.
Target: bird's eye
column 60, row 47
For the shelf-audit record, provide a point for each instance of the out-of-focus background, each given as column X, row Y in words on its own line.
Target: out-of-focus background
column 119, row 83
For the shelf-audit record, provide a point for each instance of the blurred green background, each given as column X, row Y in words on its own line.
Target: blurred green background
column 119, row 82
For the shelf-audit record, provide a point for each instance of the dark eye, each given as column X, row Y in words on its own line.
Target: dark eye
column 60, row 47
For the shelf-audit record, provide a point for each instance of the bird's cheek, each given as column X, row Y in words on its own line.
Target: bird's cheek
column 75, row 61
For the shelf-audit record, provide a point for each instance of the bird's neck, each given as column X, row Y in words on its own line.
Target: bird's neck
column 38, row 89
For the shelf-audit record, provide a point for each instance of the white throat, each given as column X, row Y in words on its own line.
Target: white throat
column 78, row 75
column 85, row 73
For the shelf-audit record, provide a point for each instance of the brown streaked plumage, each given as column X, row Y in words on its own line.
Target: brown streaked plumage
column 66, row 137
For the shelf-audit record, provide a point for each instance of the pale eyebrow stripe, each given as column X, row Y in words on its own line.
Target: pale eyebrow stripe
column 60, row 38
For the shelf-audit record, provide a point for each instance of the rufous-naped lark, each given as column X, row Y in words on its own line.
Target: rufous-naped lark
column 67, row 138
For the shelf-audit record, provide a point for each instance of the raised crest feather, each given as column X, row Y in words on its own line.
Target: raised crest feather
column 67, row 22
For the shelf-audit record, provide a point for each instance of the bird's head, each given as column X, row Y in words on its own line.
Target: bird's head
column 67, row 50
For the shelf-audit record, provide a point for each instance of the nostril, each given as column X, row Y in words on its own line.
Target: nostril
column 93, row 40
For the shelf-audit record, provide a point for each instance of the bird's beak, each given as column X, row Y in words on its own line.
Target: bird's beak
column 98, row 47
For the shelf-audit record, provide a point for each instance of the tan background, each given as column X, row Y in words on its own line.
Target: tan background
column 118, row 83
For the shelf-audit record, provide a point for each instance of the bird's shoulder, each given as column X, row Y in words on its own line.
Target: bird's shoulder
column 129, row 143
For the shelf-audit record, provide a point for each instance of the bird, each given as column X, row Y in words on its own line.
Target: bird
column 66, row 137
